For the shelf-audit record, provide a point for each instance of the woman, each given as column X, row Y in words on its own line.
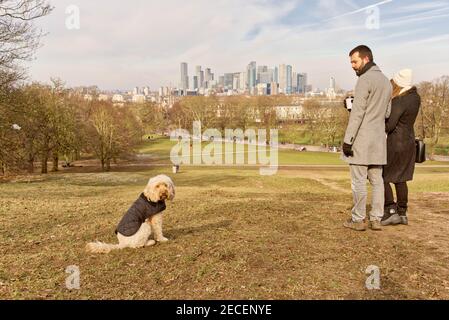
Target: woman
column 401, row 148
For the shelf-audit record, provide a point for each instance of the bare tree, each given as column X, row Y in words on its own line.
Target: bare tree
column 19, row 38
column 435, row 108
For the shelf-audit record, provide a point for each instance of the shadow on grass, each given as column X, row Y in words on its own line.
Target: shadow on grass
column 180, row 232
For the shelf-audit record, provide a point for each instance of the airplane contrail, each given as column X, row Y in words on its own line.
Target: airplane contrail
column 360, row 10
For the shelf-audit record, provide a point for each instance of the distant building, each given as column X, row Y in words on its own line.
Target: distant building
column 138, row 98
column 184, row 77
column 103, row 97
column 261, row 89
column 273, row 88
column 200, row 77
column 118, row 98
column 289, row 79
column 302, row 83
column 252, row 76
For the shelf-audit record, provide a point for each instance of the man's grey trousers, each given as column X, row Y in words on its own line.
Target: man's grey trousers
column 359, row 175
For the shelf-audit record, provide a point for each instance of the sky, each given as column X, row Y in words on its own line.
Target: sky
column 123, row 44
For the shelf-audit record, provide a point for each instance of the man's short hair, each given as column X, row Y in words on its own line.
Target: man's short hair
column 363, row 51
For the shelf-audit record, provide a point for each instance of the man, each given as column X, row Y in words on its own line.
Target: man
column 365, row 147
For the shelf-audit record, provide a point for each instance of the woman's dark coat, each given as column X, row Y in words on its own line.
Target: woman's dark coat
column 401, row 147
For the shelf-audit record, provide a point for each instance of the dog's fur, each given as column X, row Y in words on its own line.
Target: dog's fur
column 158, row 188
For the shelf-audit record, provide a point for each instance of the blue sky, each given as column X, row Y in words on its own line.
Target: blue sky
column 138, row 42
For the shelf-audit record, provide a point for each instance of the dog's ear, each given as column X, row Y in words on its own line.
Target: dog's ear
column 171, row 190
column 170, row 187
column 150, row 191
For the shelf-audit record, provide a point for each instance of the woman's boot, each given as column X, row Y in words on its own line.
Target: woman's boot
column 391, row 216
column 402, row 212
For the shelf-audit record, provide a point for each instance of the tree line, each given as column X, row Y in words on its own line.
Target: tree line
column 44, row 123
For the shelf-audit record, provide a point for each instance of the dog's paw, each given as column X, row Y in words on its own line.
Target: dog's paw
column 163, row 239
column 150, row 243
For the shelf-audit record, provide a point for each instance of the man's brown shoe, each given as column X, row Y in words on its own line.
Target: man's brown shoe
column 357, row 226
column 375, row 225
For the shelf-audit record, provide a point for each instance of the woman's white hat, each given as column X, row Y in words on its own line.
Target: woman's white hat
column 404, row 79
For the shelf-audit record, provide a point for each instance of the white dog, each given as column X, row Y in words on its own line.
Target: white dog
column 142, row 218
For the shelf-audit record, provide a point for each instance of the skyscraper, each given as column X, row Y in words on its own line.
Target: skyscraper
column 184, row 77
column 200, row 76
column 283, row 79
column 295, row 82
column 276, row 75
column 302, row 83
column 260, row 70
column 208, row 75
column 289, row 79
column 332, row 84
column 252, row 76
column 195, row 83
column 228, row 81
column 243, row 81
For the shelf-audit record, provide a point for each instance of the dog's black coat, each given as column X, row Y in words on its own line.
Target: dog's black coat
column 141, row 210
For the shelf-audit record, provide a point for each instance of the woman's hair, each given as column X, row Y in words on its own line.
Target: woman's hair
column 396, row 89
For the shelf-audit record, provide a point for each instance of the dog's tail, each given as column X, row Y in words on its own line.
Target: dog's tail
column 101, row 247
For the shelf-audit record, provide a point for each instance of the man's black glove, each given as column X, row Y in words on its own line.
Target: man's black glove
column 347, row 150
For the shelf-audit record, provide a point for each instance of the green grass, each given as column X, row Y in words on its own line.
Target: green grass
column 159, row 152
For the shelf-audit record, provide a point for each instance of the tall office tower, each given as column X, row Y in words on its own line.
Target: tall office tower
column 276, row 75
column 332, row 84
column 184, row 77
column 221, row 81
column 283, row 79
column 228, row 81
column 136, row 90
column 208, row 75
column 260, row 70
column 289, row 79
column 236, row 81
column 200, row 76
column 266, row 77
column 274, row 88
column 302, row 83
column 195, row 83
column 295, row 82
column 243, row 81
column 201, row 80
column 212, row 76
column 251, row 70
column 146, row 91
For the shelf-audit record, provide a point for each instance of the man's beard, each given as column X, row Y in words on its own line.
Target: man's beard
column 357, row 71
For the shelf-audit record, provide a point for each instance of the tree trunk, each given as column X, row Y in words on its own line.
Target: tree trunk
column 30, row 168
column 102, row 165
column 108, row 164
column 55, row 162
column 3, row 168
column 44, row 164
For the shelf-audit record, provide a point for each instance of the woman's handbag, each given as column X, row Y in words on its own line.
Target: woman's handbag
column 420, row 145
column 420, row 151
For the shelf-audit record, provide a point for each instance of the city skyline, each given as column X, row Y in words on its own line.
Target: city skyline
column 254, row 79
column 117, row 47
